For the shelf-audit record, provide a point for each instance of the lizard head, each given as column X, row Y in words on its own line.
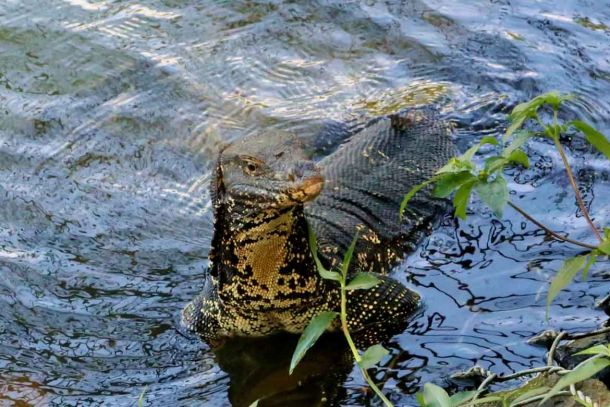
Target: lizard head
column 269, row 171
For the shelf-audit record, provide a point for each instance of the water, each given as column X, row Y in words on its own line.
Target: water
column 110, row 115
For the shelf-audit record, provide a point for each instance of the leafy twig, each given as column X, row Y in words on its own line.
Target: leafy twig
column 352, row 346
column 324, row 320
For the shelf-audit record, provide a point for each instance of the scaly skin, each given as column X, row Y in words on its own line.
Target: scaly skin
column 262, row 277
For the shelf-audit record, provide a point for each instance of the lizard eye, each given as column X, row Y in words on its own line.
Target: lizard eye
column 250, row 167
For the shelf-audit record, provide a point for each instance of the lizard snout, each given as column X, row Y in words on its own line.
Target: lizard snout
column 309, row 179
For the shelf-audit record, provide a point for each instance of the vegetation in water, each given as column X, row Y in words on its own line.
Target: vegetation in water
column 539, row 390
column 461, row 176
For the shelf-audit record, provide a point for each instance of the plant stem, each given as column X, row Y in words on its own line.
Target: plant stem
column 483, row 386
column 353, row 348
column 551, row 354
column 528, row 372
column 549, row 231
column 580, row 335
column 581, row 203
column 344, row 328
column 376, row 389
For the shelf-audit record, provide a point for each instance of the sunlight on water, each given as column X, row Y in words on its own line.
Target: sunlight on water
column 112, row 113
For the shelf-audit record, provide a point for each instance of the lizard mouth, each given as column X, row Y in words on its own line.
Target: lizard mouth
column 309, row 189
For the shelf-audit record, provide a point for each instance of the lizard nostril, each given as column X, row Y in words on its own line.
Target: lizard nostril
column 303, row 169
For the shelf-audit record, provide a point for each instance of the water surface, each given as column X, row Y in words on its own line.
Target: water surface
column 111, row 113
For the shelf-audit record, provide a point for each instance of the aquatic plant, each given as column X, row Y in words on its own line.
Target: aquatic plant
column 551, row 380
column 461, row 176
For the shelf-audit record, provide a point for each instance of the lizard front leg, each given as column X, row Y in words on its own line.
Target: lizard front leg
column 202, row 316
column 377, row 313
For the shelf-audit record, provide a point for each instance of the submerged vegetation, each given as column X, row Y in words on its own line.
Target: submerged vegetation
column 460, row 177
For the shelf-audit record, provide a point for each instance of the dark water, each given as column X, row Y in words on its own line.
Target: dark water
column 110, row 113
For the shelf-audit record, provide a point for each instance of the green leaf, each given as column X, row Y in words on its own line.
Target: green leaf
column 310, row 335
column 564, row 276
column 347, row 257
column 520, row 114
column 488, row 140
column 494, row 194
column 449, row 182
column 461, row 198
column 313, row 246
column 493, row 164
column 582, row 372
column 362, row 281
column 372, row 356
column 590, row 262
column 555, row 99
column 529, row 110
column 436, row 396
column 519, row 157
column 516, row 123
column 411, row 193
column 554, row 130
column 329, row 275
column 461, row 397
column 594, row 137
column 604, row 246
column 419, row 397
column 141, row 398
column 519, row 139
column 467, row 156
column 455, row 165
column 595, row 350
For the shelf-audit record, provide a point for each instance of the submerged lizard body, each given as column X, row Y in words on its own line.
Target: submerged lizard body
column 266, row 191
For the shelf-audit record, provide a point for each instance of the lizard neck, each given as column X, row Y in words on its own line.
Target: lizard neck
column 262, row 259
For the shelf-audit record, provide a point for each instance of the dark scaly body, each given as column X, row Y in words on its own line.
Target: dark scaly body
column 263, row 278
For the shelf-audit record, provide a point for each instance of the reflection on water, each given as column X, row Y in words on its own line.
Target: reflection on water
column 110, row 115
column 258, row 371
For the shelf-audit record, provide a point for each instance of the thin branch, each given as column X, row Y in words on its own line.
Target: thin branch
column 581, row 203
column 375, row 388
column 353, row 348
column 549, row 231
column 551, row 354
column 572, row 336
column 486, row 383
column 483, row 386
column 550, row 369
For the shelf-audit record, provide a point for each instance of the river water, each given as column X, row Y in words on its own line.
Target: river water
column 110, row 116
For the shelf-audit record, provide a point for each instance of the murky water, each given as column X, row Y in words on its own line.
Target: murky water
column 109, row 118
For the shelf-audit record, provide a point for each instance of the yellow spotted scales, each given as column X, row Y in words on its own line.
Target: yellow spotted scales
column 262, row 277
